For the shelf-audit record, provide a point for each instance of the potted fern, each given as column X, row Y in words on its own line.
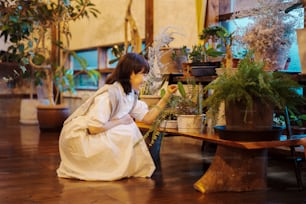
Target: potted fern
column 251, row 95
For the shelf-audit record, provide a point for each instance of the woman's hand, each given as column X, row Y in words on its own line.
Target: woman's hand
column 154, row 112
column 172, row 88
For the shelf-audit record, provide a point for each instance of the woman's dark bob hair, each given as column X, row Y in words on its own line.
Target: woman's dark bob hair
column 128, row 64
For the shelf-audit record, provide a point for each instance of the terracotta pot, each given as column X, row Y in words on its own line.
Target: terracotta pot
column 51, row 118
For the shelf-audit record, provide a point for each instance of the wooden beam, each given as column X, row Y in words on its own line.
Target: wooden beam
column 212, row 12
column 149, row 21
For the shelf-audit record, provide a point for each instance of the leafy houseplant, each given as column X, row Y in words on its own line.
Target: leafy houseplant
column 31, row 27
column 15, row 29
column 247, row 86
column 270, row 32
column 45, row 42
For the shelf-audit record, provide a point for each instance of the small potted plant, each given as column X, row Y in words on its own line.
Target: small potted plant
column 189, row 109
column 215, row 49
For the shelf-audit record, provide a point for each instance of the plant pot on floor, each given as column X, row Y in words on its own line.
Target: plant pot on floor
column 51, row 118
column 28, row 111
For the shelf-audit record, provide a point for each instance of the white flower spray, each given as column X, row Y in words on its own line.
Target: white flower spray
column 271, row 30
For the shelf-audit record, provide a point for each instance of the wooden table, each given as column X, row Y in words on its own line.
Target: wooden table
column 237, row 166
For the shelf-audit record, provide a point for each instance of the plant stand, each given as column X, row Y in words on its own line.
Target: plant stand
column 222, row 175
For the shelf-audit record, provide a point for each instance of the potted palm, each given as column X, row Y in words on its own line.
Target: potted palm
column 47, row 44
column 251, row 95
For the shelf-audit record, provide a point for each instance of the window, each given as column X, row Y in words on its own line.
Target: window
column 82, row 81
column 96, row 58
column 111, row 57
column 91, row 57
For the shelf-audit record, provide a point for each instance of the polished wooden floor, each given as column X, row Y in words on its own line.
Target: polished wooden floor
column 29, row 158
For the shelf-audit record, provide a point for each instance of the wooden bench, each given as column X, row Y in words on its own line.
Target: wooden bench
column 237, row 166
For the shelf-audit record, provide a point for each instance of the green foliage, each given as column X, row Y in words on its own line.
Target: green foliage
column 297, row 119
column 200, row 52
column 197, row 53
column 188, row 102
column 251, row 82
column 218, row 31
column 64, row 78
column 28, row 26
column 183, row 50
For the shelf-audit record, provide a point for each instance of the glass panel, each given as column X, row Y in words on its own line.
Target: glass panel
column 91, row 57
column 82, row 81
column 110, row 55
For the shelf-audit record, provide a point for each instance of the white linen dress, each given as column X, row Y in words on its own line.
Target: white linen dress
column 107, row 156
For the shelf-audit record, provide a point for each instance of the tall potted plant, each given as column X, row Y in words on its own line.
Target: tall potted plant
column 47, row 44
column 15, row 29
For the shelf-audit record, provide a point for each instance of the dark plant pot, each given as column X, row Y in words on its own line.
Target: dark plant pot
column 204, row 68
column 296, row 130
column 252, row 135
column 260, row 117
column 51, row 118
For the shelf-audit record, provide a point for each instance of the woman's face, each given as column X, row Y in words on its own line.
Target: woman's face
column 137, row 80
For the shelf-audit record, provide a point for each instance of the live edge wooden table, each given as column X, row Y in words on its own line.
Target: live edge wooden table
column 237, row 166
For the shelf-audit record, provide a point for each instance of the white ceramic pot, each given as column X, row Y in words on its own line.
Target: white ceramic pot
column 190, row 123
column 28, row 111
column 169, row 124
